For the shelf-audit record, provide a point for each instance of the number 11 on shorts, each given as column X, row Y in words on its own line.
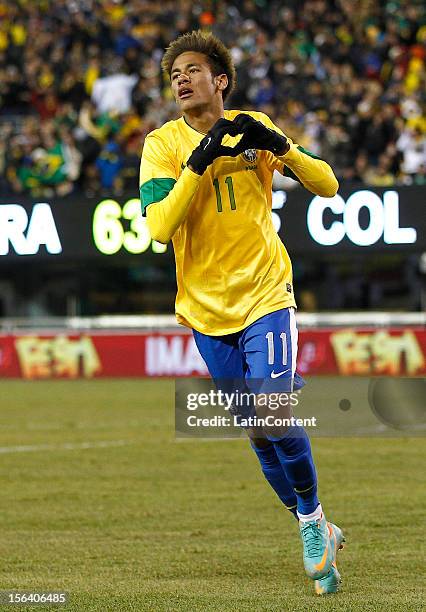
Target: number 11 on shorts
column 271, row 349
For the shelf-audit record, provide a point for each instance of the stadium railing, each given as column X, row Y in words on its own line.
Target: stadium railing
column 168, row 322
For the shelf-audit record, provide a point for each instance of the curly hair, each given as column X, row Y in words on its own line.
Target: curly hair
column 218, row 56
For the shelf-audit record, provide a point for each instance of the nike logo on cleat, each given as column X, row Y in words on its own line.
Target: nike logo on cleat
column 320, row 566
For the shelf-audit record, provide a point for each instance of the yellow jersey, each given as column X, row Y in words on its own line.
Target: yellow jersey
column 231, row 265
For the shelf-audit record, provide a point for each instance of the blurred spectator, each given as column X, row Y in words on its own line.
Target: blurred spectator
column 412, row 144
column 109, row 164
column 380, row 175
column 359, row 171
column 113, row 92
column 71, row 155
column 81, row 86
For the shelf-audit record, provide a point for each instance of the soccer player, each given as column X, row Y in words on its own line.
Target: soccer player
column 206, row 184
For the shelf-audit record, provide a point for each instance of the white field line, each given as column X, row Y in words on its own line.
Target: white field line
column 28, row 448
column 195, row 439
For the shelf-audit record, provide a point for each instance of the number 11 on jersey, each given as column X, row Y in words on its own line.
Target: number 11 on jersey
column 229, row 184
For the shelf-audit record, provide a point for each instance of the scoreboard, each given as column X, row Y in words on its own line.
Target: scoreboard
column 356, row 220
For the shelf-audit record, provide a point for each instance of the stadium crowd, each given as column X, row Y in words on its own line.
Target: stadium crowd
column 81, row 85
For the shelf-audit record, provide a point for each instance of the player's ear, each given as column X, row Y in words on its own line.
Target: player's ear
column 221, row 81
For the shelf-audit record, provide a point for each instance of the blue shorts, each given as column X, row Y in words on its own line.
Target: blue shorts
column 263, row 354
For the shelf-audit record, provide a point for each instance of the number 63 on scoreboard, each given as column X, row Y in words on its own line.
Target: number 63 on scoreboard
column 110, row 235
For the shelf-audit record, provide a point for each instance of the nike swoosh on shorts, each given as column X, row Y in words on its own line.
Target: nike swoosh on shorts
column 273, row 375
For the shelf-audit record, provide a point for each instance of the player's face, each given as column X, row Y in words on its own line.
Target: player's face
column 193, row 84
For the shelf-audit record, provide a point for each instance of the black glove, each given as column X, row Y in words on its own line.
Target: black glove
column 258, row 136
column 211, row 146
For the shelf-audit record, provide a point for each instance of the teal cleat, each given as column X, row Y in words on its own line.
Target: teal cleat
column 328, row 584
column 318, row 547
column 331, row 582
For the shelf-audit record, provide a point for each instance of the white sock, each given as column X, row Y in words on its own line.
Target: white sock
column 313, row 516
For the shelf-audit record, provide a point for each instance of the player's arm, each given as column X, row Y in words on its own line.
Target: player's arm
column 164, row 218
column 165, row 199
column 285, row 156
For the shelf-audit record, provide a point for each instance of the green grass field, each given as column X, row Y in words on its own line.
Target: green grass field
column 148, row 523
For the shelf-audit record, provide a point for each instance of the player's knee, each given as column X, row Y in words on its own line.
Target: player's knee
column 261, row 443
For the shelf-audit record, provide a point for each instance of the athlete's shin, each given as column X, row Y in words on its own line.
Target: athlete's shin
column 274, row 473
column 294, row 453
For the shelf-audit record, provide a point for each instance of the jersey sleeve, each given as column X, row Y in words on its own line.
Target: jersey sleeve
column 165, row 197
column 157, row 171
column 303, row 166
